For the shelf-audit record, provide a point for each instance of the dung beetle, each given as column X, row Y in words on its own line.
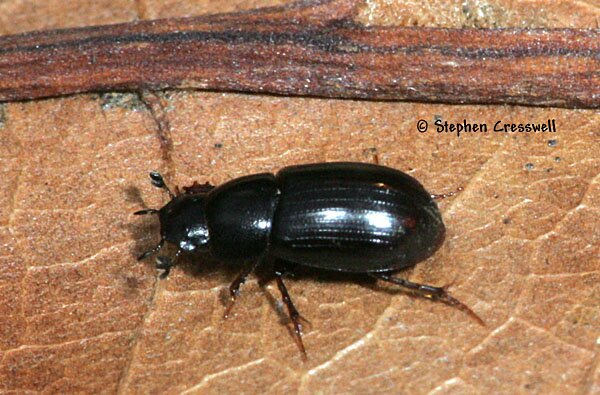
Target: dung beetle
column 344, row 216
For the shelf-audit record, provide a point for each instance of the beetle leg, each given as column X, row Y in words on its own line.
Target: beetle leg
column 440, row 196
column 234, row 288
column 428, row 291
column 293, row 313
column 374, row 154
column 165, row 263
column 152, row 251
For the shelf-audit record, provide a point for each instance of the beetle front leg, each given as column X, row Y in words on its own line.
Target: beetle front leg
column 165, row 263
column 428, row 291
column 152, row 251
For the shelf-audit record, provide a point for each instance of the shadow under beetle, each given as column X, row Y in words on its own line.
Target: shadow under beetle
column 346, row 217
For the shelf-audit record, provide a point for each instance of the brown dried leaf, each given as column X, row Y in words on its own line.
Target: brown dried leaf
column 81, row 314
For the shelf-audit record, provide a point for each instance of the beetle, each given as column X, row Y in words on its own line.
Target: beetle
column 340, row 216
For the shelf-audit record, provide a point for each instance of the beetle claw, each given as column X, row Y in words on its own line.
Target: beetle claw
column 164, row 263
column 164, row 274
column 152, row 250
column 440, row 196
column 452, row 301
column 304, row 323
column 230, row 304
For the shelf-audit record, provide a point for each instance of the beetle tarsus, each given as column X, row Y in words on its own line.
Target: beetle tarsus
column 441, row 196
column 446, row 298
column 152, row 251
column 166, row 264
column 165, row 274
column 296, row 318
column 431, row 292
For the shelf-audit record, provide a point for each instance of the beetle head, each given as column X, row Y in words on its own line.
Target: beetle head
column 182, row 219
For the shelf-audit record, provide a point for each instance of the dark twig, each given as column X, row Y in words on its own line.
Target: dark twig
column 310, row 48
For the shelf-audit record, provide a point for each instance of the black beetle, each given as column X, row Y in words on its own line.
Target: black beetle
column 347, row 217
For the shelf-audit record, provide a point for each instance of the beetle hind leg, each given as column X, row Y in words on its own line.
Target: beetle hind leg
column 428, row 291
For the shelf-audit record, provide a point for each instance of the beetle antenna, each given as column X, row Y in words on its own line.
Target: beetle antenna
column 152, row 251
column 159, row 182
column 146, row 211
column 446, row 195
